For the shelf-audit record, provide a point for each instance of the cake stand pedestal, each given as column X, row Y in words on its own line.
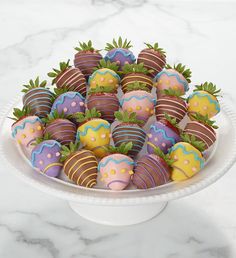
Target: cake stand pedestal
column 118, row 215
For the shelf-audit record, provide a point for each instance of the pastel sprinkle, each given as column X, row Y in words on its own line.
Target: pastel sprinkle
column 41, row 162
column 103, row 136
column 138, row 107
column 93, row 139
column 65, row 109
column 131, row 172
column 102, row 79
column 163, row 144
column 23, row 136
column 118, row 62
column 175, row 157
column 195, row 104
column 147, row 109
column 58, row 154
column 32, row 130
column 19, row 141
column 152, row 112
column 205, row 107
column 113, row 172
column 155, row 139
column 105, row 175
column 186, row 162
column 130, row 109
column 194, row 169
column 39, row 128
column 49, row 155
column 81, row 103
column 123, row 170
column 149, row 135
column 73, row 104
column 111, row 81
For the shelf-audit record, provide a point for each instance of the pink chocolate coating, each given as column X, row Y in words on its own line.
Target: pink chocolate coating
column 116, row 171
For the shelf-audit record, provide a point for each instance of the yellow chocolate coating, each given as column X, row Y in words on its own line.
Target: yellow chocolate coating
column 204, row 103
column 95, row 134
column 188, row 161
column 104, row 77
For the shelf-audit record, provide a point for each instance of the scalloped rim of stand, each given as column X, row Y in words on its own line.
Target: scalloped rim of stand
column 113, row 198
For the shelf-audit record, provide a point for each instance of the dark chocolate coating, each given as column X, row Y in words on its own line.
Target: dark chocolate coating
column 86, row 61
column 202, row 132
column 129, row 133
column 136, row 77
column 174, row 107
column 150, row 171
column 106, row 103
column 39, row 100
column 81, row 167
column 73, row 79
column 153, row 60
column 61, row 130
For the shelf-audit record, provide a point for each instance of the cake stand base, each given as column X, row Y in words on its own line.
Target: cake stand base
column 118, row 215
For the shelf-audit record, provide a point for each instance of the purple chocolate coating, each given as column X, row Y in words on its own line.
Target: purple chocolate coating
column 69, row 103
column 45, row 154
column 161, row 136
column 121, row 55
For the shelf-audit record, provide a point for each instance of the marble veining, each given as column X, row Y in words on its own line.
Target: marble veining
column 34, row 39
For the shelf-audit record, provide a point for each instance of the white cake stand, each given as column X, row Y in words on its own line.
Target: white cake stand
column 129, row 206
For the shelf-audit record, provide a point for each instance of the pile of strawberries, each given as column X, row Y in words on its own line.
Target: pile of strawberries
column 66, row 125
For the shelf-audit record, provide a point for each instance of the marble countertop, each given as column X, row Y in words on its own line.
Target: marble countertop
column 36, row 35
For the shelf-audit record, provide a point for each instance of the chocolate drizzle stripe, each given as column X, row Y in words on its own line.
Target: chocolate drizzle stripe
column 151, row 61
column 162, row 169
column 131, row 129
column 127, row 134
column 172, row 110
column 74, row 80
column 66, row 72
column 166, row 104
column 86, row 178
column 30, row 98
column 204, row 127
column 149, row 175
column 143, row 183
column 200, row 135
column 75, row 155
column 80, row 166
column 85, row 171
column 155, row 56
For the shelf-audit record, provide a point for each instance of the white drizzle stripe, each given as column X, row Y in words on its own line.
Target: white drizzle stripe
column 148, row 53
column 169, row 106
column 151, row 61
column 199, row 135
column 204, row 127
column 65, row 73
column 160, row 101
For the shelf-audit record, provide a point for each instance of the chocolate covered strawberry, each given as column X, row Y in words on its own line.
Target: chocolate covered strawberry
column 38, row 98
column 163, row 134
column 135, row 73
column 152, row 170
column 204, row 100
column 105, row 74
column 129, row 130
column 69, row 77
column 26, row 128
column 202, row 128
column 68, row 102
column 176, row 78
column 153, row 57
column 104, row 99
column 87, row 58
column 117, row 168
column 119, row 52
column 138, row 99
column 187, row 156
column 79, row 165
column 60, row 128
column 172, row 104
column 93, row 132
column 46, row 156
